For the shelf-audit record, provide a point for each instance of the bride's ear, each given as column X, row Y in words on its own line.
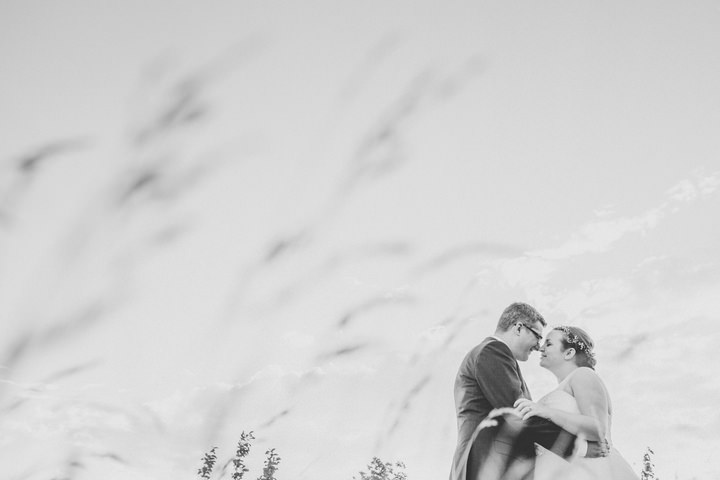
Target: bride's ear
column 569, row 353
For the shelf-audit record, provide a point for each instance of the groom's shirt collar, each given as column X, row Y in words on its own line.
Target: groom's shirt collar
column 499, row 340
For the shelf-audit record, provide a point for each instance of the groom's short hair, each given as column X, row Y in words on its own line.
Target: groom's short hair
column 519, row 312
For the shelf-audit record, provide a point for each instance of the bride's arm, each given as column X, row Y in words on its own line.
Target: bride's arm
column 591, row 399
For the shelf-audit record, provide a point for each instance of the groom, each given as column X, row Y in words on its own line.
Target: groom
column 488, row 378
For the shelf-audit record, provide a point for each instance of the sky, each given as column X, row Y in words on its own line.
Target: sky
column 295, row 218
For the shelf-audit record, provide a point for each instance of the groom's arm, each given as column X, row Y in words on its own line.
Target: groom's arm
column 549, row 435
column 597, row 449
column 543, row 432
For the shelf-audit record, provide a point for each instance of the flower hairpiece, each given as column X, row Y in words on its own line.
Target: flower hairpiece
column 573, row 339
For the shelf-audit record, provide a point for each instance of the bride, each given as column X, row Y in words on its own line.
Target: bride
column 581, row 405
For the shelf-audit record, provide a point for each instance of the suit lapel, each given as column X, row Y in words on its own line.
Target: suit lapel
column 525, row 389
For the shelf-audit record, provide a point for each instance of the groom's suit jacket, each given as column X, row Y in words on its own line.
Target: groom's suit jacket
column 489, row 377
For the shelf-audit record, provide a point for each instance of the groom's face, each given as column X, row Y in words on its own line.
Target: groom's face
column 529, row 339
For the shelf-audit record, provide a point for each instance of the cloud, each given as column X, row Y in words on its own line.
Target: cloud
column 271, row 372
column 605, row 211
column 297, row 339
column 534, row 271
column 591, row 298
column 526, row 270
column 170, row 407
column 683, row 191
column 436, row 335
column 691, row 189
column 598, row 236
column 709, row 183
column 51, row 417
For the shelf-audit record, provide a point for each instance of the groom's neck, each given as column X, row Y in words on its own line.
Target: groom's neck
column 507, row 338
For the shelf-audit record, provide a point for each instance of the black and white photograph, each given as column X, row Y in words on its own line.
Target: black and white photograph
column 359, row 240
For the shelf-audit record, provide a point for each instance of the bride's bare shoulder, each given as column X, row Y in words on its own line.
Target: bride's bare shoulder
column 585, row 375
column 585, row 371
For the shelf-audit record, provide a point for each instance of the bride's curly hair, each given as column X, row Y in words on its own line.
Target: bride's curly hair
column 578, row 339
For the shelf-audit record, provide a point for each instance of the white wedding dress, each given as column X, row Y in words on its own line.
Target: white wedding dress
column 550, row 466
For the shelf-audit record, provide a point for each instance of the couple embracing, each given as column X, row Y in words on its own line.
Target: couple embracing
column 504, row 435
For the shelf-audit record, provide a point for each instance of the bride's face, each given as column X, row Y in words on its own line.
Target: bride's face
column 552, row 353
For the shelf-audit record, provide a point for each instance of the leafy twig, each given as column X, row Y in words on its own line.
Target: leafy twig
column 208, row 464
column 379, row 470
column 243, row 449
column 271, row 465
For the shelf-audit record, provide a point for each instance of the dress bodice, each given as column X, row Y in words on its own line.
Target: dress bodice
column 560, row 400
column 552, row 467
